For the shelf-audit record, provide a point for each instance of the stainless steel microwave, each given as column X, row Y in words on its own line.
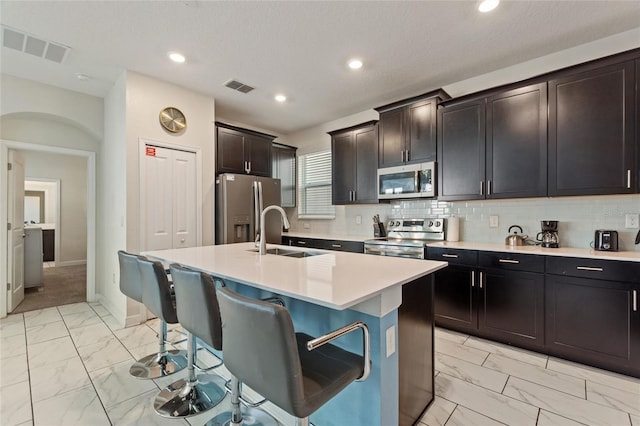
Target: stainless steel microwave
column 409, row 181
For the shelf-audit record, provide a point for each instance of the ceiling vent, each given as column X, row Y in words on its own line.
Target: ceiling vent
column 26, row 43
column 239, row 86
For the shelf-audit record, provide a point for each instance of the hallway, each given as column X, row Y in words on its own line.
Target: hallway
column 61, row 285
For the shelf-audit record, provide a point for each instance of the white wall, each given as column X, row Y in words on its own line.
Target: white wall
column 50, row 198
column 72, row 173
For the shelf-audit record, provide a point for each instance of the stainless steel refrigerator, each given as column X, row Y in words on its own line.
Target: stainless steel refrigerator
column 239, row 201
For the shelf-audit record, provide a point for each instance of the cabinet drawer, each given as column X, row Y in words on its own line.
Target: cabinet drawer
column 594, row 268
column 512, row 261
column 350, row 246
column 453, row 256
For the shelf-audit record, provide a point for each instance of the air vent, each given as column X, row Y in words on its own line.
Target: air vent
column 239, row 86
column 26, row 43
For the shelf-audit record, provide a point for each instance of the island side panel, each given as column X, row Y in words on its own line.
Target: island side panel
column 373, row 402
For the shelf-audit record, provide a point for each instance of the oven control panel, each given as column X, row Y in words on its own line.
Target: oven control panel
column 415, row 225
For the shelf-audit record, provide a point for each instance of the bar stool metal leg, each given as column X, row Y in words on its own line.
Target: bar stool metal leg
column 196, row 394
column 162, row 363
column 239, row 414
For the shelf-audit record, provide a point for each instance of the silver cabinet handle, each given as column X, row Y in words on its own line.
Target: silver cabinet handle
column 628, row 178
column 249, row 168
column 589, row 268
column 481, row 187
column 406, row 155
column 336, row 245
column 508, row 261
column 481, row 279
column 302, row 243
column 635, row 301
column 455, row 256
column 402, row 156
column 473, row 278
column 488, row 187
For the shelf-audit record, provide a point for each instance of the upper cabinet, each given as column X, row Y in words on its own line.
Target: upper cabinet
column 242, row 151
column 407, row 130
column 283, row 167
column 354, row 154
column 494, row 146
column 591, row 131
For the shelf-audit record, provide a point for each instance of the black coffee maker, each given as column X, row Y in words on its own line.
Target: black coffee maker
column 549, row 235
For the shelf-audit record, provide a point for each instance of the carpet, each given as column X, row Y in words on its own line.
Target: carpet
column 61, row 285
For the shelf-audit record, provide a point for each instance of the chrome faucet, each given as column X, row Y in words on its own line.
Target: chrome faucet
column 263, row 241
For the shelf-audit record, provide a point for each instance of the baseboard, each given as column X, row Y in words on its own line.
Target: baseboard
column 71, row 263
column 115, row 312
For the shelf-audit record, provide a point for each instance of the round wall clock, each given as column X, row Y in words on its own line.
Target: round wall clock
column 173, row 120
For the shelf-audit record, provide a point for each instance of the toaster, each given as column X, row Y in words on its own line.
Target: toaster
column 605, row 240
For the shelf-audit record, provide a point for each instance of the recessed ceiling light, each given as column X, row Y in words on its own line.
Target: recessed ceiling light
column 82, row 77
column 355, row 64
column 176, row 57
column 488, row 5
column 280, row 98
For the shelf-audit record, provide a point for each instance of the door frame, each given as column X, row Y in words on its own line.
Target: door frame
column 90, row 157
column 57, row 234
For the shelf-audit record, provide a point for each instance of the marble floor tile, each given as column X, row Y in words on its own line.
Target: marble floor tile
column 635, row 420
column 44, row 332
column 139, row 411
column 615, row 398
column 12, row 346
column 41, row 354
column 90, row 334
column 460, row 351
column 103, row 353
column 483, row 401
column 41, row 316
column 546, row 418
column 438, row 412
column 114, row 384
column 549, row 378
column 471, row 373
column 13, row 370
column 80, row 407
column 462, row 416
column 99, row 309
column 57, row 378
column 563, row 404
column 74, row 308
column 112, row 323
column 453, row 336
column 11, row 318
column 508, row 351
column 12, row 328
column 139, row 335
column 15, row 404
column 595, row 375
column 143, row 351
column 81, row 319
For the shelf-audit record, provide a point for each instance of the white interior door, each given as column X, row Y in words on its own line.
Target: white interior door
column 170, row 198
column 15, row 215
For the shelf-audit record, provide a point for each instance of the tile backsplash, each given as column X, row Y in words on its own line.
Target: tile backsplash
column 578, row 217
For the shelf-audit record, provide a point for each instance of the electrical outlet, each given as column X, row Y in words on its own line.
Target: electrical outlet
column 358, row 220
column 391, row 340
column 493, row 221
column 631, row 220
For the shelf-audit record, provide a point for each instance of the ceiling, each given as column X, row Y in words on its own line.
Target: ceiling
column 300, row 48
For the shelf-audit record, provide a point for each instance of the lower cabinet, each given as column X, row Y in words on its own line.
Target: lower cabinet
column 318, row 243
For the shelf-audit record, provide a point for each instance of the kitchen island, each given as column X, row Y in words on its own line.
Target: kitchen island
column 393, row 296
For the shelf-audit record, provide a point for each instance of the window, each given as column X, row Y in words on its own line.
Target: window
column 314, row 177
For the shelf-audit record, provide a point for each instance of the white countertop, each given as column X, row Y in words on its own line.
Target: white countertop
column 357, row 238
column 338, row 280
column 631, row 256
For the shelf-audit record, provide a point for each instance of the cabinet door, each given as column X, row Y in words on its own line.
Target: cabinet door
column 511, row 306
column 283, row 167
column 343, row 158
column 591, row 139
column 455, row 294
column 461, row 151
column 517, row 143
column 593, row 321
column 258, row 154
column 366, row 152
column 230, row 151
column 392, row 140
column 421, row 131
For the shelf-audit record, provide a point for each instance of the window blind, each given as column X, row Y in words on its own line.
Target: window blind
column 314, row 178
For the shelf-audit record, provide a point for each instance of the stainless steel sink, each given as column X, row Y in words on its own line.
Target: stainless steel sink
column 291, row 253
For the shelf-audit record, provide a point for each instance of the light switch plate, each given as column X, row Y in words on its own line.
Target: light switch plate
column 631, row 220
column 358, row 220
column 493, row 221
column 306, row 225
column 391, row 340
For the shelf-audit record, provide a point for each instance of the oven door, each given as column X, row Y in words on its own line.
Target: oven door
column 394, row 250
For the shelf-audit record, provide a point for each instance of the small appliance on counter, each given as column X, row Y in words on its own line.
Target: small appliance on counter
column 548, row 237
column 605, row 240
column 516, row 239
column 378, row 227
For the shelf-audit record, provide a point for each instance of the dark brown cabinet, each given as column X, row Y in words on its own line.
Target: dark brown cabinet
column 283, row 167
column 337, row 245
column 591, row 131
column 242, row 151
column 592, row 312
column 495, row 146
column 48, row 245
column 353, row 159
column 407, row 130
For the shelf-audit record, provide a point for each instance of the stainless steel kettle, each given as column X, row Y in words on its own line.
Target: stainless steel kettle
column 515, row 239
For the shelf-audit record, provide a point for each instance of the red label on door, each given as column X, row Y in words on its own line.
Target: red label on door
column 151, row 151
